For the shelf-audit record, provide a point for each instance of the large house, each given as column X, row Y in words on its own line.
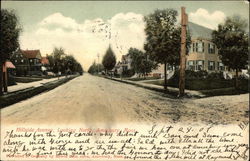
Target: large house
column 203, row 54
column 27, row 62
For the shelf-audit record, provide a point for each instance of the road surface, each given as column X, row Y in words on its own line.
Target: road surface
column 89, row 99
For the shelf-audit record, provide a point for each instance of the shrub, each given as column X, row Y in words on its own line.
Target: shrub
column 128, row 73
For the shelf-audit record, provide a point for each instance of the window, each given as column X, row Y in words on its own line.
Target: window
column 200, row 47
column 200, row 65
column 16, row 56
column 211, row 48
column 15, row 61
column 191, row 65
column 221, row 66
column 211, row 65
column 31, row 60
column 22, row 61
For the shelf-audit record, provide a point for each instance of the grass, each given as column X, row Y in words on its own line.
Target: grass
column 26, row 79
column 222, row 91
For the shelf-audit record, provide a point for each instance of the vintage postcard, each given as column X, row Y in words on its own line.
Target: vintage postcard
column 124, row 80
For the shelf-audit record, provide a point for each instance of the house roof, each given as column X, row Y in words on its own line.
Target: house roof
column 198, row 31
column 44, row 60
column 30, row 53
column 9, row 64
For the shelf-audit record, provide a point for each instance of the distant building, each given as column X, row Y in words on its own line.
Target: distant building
column 126, row 62
column 27, row 62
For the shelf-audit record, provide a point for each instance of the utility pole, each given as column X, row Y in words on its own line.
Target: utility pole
column 98, row 63
column 184, row 21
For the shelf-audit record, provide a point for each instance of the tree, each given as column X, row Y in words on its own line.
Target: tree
column 57, row 55
column 140, row 62
column 231, row 40
column 51, row 61
column 93, row 69
column 9, row 34
column 163, row 38
column 109, row 59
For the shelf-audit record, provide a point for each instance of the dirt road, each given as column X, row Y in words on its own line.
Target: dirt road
column 89, row 99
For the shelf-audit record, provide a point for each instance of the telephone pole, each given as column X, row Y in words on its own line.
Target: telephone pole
column 184, row 21
column 98, row 63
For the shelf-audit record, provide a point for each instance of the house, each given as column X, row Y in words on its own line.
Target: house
column 27, row 62
column 126, row 62
column 203, row 53
column 45, row 64
column 118, row 68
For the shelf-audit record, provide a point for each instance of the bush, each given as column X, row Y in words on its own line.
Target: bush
column 201, row 80
column 128, row 73
column 215, row 76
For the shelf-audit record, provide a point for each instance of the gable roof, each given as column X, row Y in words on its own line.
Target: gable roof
column 198, row 31
column 31, row 53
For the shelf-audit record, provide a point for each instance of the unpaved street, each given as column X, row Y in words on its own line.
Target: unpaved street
column 89, row 99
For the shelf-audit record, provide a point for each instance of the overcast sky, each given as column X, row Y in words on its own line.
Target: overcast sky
column 82, row 27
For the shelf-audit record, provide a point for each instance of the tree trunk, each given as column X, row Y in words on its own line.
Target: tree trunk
column 5, row 79
column 165, row 76
column 236, row 79
column 1, row 78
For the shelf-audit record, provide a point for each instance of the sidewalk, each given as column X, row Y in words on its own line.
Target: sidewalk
column 23, row 91
column 21, row 86
column 175, row 91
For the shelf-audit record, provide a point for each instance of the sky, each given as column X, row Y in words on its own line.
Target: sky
column 86, row 28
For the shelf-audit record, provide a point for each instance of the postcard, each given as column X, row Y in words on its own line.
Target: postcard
column 124, row 80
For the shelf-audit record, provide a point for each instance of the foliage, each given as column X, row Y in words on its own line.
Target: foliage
column 140, row 62
column 202, row 74
column 231, row 40
column 9, row 33
column 109, row 59
column 164, row 37
column 93, row 69
column 128, row 73
column 61, row 62
column 205, row 83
